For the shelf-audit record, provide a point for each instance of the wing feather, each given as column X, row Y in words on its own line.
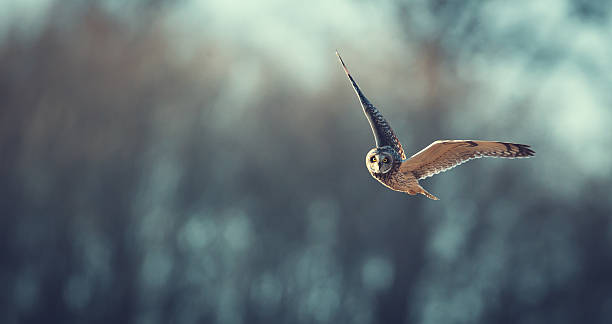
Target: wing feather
column 441, row 156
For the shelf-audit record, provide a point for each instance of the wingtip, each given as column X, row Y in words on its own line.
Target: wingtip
column 525, row 150
column 342, row 62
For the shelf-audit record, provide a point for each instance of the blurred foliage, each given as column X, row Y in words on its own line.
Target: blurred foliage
column 160, row 166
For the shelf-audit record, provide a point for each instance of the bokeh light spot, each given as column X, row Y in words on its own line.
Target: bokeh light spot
column 237, row 231
column 156, row 268
column 197, row 233
column 267, row 292
column 77, row 292
column 377, row 273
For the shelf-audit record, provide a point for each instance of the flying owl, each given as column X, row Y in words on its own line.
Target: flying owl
column 388, row 164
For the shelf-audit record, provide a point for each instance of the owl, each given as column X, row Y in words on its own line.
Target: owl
column 388, row 164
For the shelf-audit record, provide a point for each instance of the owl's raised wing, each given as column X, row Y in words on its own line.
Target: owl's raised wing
column 441, row 156
column 383, row 134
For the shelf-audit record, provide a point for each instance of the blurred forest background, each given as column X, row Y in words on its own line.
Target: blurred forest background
column 203, row 162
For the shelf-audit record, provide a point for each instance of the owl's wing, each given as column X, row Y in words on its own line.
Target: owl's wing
column 441, row 156
column 383, row 134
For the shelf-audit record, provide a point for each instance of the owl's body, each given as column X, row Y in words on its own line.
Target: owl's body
column 393, row 178
column 388, row 164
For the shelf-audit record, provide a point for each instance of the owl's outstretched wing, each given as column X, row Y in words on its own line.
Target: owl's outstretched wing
column 441, row 156
column 383, row 134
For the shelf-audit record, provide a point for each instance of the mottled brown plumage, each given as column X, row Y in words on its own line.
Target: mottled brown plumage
column 387, row 162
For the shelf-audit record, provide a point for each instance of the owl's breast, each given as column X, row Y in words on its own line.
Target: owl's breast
column 389, row 179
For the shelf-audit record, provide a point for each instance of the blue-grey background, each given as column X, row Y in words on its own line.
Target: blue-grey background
column 203, row 162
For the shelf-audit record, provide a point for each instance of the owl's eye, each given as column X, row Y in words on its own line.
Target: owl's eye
column 385, row 160
column 373, row 159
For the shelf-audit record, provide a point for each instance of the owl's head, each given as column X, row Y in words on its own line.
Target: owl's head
column 381, row 159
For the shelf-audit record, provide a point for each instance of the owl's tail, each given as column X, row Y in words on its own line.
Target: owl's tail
column 427, row 194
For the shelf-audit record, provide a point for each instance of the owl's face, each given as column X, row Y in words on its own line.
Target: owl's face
column 379, row 160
